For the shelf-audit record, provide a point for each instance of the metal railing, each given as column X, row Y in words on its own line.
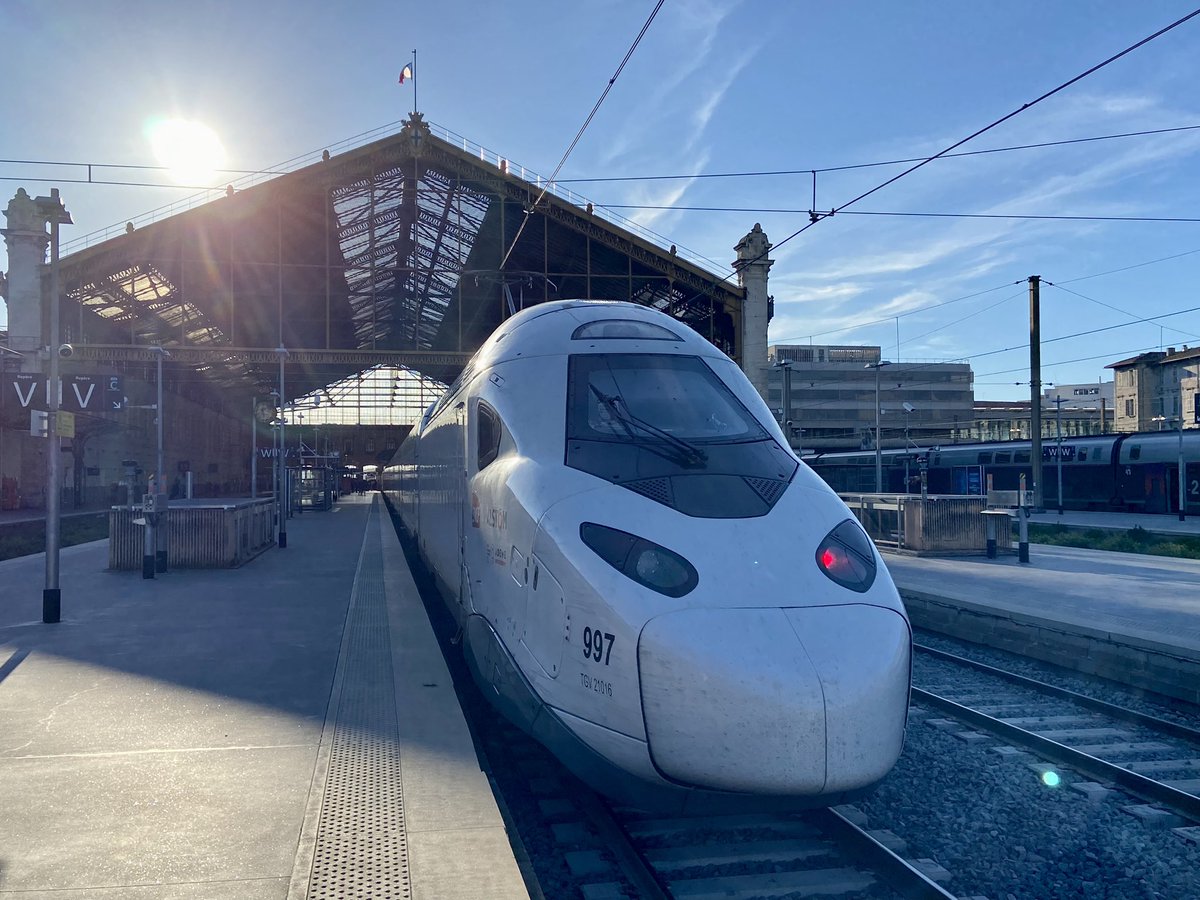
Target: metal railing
column 211, row 534
column 945, row 523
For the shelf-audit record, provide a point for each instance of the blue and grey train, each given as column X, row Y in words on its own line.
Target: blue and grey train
column 1137, row 472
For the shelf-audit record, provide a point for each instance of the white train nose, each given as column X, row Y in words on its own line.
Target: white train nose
column 788, row 701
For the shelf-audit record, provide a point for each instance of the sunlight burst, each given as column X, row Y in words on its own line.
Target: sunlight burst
column 190, row 150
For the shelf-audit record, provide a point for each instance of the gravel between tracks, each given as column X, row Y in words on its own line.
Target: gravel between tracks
column 1002, row 833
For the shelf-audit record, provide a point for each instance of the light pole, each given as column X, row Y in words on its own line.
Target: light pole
column 52, row 209
column 1182, row 470
column 908, row 411
column 786, row 418
column 160, row 549
column 1058, row 402
column 283, row 472
column 878, row 450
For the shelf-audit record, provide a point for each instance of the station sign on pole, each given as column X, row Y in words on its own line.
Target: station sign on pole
column 78, row 393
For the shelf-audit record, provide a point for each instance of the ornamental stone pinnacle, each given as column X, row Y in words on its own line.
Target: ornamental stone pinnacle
column 27, row 239
column 752, row 266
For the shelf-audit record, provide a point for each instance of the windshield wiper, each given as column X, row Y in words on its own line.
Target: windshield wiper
column 689, row 454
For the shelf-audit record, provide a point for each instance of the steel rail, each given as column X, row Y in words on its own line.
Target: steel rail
column 909, row 881
column 1102, row 706
column 1138, row 785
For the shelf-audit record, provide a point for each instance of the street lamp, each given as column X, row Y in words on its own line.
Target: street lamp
column 160, row 550
column 909, row 409
column 283, row 492
column 1182, row 471
column 786, row 419
column 51, row 209
column 1058, row 402
column 878, row 450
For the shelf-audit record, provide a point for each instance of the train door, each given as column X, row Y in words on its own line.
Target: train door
column 967, row 480
column 1191, row 489
column 545, row 618
column 1156, row 487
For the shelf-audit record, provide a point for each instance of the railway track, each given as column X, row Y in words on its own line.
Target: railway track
column 1150, row 758
column 599, row 852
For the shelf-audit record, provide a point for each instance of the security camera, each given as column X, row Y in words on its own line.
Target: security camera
column 66, row 351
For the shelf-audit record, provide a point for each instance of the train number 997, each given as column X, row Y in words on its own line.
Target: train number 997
column 597, row 644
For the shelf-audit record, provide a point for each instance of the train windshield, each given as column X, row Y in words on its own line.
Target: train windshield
column 667, row 427
column 676, row 400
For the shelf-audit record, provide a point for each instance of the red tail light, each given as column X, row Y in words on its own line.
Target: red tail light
column 847, row 557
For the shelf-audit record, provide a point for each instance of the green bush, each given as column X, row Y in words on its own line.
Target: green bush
column 1135, row 540
column 26, row 538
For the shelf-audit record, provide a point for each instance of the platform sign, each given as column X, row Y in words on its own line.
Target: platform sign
column 64, row 424
column 79, row 393
column 29, row 392
column 114, row 393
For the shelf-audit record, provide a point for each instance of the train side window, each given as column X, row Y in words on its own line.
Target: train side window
column 1135, row 452
column 1021, row 456
column 489, row 432
column 985, row 459
column 1083, row 454
column 1003, row 457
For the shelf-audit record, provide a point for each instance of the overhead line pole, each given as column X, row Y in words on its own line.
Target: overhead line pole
column 1035, row 388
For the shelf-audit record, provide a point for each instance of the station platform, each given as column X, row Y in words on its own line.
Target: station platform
column 287, row 729
column 1130, row 617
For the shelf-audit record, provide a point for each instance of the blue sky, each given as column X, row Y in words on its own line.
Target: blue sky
column 714, row 87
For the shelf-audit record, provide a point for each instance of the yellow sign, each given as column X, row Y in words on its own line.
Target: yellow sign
column 64, row 424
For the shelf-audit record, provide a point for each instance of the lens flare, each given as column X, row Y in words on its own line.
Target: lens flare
column 190, row 150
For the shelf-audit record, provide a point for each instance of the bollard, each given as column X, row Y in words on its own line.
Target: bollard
column 148, row 535
column 1022, row 535
column 161, row 529
column 991, row 536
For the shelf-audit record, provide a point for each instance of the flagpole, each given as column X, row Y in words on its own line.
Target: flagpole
column 414, row 81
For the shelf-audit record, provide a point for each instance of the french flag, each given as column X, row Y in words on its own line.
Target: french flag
column 406, row 73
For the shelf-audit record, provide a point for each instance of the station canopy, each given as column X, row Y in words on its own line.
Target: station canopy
column 400, row 254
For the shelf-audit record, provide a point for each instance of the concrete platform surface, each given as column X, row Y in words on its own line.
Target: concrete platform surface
column 1133, row 619
column 1153, row 599
column 188, row 736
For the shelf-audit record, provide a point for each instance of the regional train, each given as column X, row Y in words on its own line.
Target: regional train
column 1136, row 472
column 646, row 578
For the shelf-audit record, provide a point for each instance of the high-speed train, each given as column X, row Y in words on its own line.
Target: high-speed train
column 646, row 578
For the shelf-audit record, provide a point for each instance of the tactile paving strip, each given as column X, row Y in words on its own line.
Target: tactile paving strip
column 361, row 848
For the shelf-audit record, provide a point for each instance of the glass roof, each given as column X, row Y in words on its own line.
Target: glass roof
column 381, row 395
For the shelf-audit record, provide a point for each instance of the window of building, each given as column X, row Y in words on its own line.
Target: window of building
column 1129, row 408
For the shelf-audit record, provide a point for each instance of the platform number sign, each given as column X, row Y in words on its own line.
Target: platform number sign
column 114, row 391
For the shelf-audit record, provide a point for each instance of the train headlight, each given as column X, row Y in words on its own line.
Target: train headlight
column 645, row 562
column 847, row 557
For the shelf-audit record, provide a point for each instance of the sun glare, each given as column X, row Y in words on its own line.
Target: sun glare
column 191, row 151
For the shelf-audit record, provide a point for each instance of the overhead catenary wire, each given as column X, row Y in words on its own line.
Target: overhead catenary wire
column 926, row 160
column 1123, row 312
column 588, row 121
column 772, row 210
column 821, row 170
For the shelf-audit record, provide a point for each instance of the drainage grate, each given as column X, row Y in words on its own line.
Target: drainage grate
column 361, row 848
